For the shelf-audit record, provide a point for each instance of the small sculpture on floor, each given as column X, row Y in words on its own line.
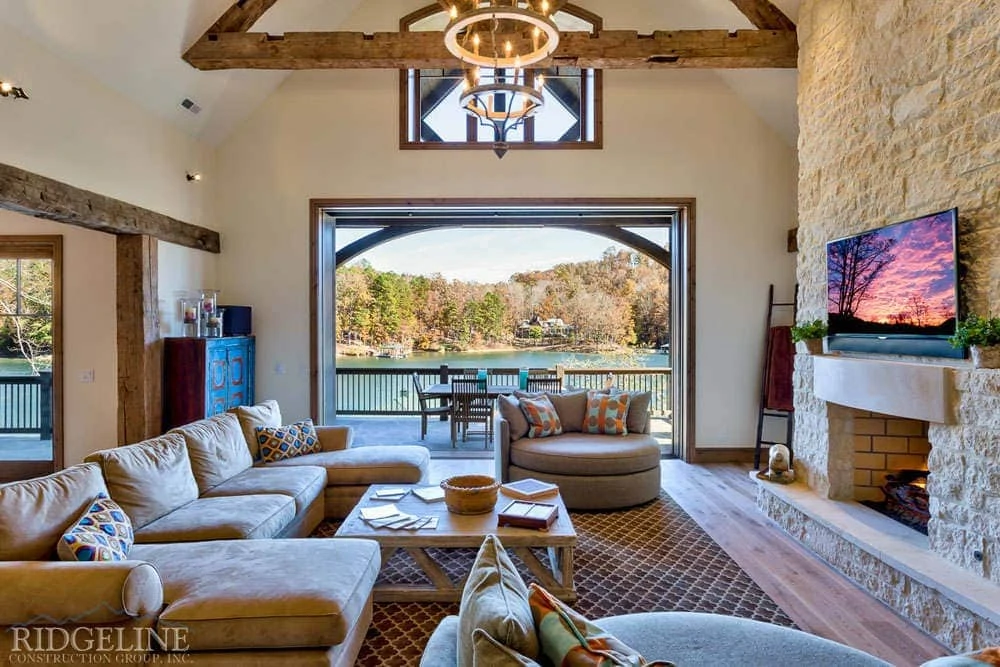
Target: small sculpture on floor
column 778, row 468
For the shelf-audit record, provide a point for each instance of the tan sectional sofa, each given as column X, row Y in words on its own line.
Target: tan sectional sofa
column 592, row 471
column 203, row 570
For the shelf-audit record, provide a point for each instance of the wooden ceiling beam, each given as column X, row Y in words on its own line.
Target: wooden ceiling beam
column 241, row 16
column 764, row 14
column 610, row 49
column 41, row 197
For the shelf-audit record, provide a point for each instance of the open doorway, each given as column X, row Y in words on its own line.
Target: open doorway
column 30, row 356
column 640, row 236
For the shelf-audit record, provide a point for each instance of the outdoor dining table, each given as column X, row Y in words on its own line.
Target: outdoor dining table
column 492, row 391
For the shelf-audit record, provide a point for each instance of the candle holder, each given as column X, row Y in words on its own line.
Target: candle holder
column 189, row 317
column 213, row 324
column 207, row 307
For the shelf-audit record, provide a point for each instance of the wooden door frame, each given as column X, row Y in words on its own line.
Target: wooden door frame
column 53, row 244
column 685, row 323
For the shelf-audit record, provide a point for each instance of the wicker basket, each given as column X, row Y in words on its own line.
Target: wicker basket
column 470, row 494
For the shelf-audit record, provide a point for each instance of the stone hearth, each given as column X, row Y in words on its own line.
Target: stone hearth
column 947, row 582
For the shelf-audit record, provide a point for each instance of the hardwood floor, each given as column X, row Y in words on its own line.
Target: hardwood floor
column 721, row 498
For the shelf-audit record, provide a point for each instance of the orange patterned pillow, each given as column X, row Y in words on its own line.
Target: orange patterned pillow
column 543, row 420
column 606, row 413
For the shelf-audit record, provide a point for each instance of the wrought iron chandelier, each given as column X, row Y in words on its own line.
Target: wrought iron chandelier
column 504, row 36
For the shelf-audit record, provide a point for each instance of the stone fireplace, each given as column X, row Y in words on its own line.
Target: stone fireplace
column 898, row 118
column 949, row 581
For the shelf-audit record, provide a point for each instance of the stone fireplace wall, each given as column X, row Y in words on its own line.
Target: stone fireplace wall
column 899, row 113
column 884, row 444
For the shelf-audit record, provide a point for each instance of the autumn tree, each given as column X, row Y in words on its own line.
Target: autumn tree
column 853, row 265
column 26, row 310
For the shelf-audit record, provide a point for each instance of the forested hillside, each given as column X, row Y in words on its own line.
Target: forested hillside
column 620, row 299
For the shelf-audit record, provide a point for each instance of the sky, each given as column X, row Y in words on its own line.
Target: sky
column 923, row 267
column 485, row 255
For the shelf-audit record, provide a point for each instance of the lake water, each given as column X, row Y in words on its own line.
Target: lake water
column 14, row 367
column 512, row 359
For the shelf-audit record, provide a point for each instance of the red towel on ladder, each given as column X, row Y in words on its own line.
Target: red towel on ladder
column 781, row 354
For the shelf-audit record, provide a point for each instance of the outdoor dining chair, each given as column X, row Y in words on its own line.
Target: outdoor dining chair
column 470, row 404
column 426, row 408
column 547, row 383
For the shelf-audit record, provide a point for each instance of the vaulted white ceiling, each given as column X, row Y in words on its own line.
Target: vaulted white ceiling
column 135, row 46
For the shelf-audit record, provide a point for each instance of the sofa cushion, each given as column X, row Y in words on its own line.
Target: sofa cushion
column 695, row 638
column 571, row 406
column 302, row 483
column 510, row 410
column 287, row 442
column 488, row 651
column 246, row 594
column 216, row 448
column 637, row 420
column 403, row 464
column 267, row 414
column 103, row 532
column 36, row 512
column 223, row 518
column 150, row 478
column 606, row 413
column 543, row 420
column 495, row 600
column 587, row 454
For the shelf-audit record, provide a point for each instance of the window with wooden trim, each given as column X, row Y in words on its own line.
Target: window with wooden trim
column 431, row 116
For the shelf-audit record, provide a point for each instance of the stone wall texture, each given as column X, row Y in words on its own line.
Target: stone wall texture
column 899, row 113
column 952, row 624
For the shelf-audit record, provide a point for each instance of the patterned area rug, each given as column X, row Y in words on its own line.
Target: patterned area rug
column 649, row 558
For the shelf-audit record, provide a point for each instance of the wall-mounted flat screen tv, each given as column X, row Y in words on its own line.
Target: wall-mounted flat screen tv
column 894, row 290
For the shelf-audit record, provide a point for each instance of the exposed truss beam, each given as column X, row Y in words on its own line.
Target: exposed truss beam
column 35, row 195
column 764, row 15
column 241, row 16
column 610, row 49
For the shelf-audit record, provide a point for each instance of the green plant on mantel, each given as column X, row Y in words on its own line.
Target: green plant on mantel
column 809, row 331
column 976, row 330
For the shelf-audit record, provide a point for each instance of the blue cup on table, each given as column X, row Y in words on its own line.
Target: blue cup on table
column 481, row 378
column 522, row 379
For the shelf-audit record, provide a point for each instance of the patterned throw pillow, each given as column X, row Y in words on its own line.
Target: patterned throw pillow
column 606, row 413
column 103, row 532
column 285, row 442
column 568, row 638
column 543, row 420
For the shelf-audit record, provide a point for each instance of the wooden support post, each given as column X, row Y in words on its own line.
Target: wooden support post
column 140, row 350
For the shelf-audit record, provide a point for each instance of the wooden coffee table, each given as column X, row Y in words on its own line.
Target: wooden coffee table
column 458, row 531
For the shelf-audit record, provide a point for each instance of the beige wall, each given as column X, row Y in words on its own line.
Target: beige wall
column 76, row 130
column 334, row 134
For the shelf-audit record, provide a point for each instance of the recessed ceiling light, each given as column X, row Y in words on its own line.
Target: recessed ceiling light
column 190, row 105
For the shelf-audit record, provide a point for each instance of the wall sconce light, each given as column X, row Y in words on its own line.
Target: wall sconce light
column 8, row 89
column 195, row 176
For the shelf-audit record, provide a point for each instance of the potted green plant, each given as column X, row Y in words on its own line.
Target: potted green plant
column 809, row 336
column 982, row 336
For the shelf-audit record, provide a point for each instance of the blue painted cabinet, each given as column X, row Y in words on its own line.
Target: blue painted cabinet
column 205, row 376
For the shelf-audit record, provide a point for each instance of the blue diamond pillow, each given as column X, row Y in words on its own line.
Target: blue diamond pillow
column 102, row 533
column 285, row 442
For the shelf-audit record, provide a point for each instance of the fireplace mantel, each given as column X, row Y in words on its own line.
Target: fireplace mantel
column 901, row 389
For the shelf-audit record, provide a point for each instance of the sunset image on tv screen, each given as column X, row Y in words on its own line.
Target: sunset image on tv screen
column 898, row 279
